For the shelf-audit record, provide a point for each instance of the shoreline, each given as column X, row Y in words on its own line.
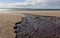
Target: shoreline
column 19, row 9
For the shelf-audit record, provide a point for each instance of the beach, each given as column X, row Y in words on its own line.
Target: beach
column 9, row 18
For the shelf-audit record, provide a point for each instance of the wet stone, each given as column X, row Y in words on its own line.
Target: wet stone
column 15, row 31
column 16, row 37
column 15, row 27
column 33, row 26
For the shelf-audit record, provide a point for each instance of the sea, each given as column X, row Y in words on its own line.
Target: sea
column 20, row 9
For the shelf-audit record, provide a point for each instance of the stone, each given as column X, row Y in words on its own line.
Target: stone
column 35, row 26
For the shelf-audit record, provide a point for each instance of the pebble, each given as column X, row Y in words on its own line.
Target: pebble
column 39, row 24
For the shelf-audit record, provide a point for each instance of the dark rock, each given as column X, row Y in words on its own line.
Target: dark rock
column 34, row 26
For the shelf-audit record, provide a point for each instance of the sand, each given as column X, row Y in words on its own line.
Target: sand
column 9, row 18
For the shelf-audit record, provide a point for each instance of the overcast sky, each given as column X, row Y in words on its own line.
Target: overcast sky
column 48, row 4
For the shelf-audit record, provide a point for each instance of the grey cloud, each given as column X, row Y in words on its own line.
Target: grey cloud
column 52, row 3
column 43, row 4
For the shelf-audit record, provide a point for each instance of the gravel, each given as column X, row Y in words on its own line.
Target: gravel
column 35, row 26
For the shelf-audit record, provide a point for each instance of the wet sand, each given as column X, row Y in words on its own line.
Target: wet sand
column 9, row 18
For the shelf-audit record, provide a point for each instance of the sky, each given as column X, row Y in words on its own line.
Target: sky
column 39, row 4
column 11, row 1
